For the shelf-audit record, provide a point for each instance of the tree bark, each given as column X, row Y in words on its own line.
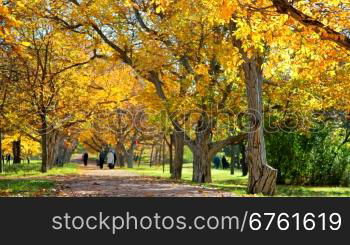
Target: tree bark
column 69, row 151
column 151, row 157
column 201, row 158
column 130, row 159
column 130, row 154
column 159, row 160
column 233, row 159
column 55, row 142
column 179, row 144
column 156, row 156
column 140, row 157
column 325, row 32
column 63, row 152
column 171, row 153
column 43, row 133
column 243, row 160
column 204, row 150
column 262, row 177
column 120, row 152
column 16, row 150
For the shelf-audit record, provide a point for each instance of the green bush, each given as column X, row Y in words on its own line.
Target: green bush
column 316, row 158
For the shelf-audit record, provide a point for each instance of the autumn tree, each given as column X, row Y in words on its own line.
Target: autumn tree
column 197, row 61
column 47, row 83
column 184, row 61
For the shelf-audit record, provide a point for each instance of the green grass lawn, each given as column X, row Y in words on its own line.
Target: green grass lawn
column 14, row 182
column 25, row 187
column 33, row 169
column 223, row 180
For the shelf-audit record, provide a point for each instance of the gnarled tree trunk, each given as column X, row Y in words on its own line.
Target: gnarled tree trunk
column 69, row 151
column 65, row 151
column 55, row 141
column 262, row 177
column 178, row 142
column 203, row 152
column 130, row 154
column 201, row 158
column 120, row 151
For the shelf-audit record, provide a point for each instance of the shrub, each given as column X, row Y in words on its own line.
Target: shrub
column 316, row 158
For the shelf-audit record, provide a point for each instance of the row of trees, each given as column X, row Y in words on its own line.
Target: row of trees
column 202, row 66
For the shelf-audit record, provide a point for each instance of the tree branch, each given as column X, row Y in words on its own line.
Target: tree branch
column 217, row 146
column 326, row 33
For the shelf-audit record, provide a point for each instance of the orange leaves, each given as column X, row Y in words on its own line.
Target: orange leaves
column 331, row 36
column 161, row 5
column 8, row 21
column 227, row 9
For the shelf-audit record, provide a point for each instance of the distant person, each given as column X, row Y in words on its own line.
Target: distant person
column 217, row 162
column 8, row 158
column 225, row 164
column 110, row 160
column 102, row 159
column 85, row 158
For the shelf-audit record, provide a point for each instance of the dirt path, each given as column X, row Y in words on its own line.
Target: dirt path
column 92, row 181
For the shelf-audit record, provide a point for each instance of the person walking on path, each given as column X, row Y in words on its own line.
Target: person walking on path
column 85, row 158
column 110, row 159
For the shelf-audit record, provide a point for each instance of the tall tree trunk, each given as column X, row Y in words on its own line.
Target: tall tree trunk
column 61, row 152
column 262, row 177
column 159, row 160
column 16, row 150
column 55, row 141
column 179, row 144
column 156, row 156
column 243, row 160
column 130, row 154
column 171, row 153
column 43, row 133
column 140, row 157
column 130, row 159
column 151, row 157
column 68, row 151
column 233, row 159
column 120, row 152
column 201, row 158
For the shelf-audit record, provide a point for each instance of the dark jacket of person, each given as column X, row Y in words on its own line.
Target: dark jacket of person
column 102, row 157
column 85, row 157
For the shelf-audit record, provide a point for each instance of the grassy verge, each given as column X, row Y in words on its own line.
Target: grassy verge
column 26, row 187
column 14, row 181
column 223, row 180
column 33, row 169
